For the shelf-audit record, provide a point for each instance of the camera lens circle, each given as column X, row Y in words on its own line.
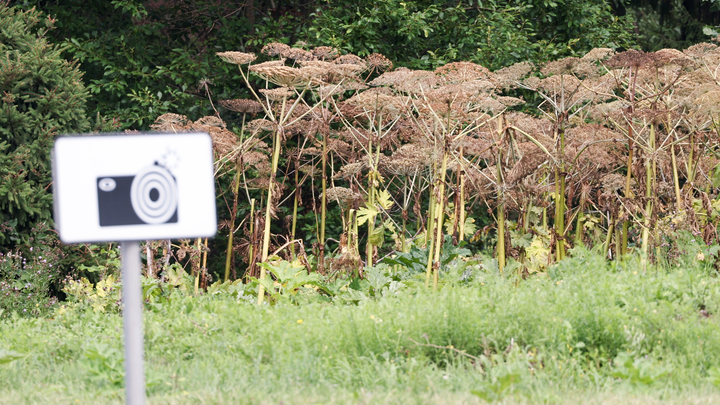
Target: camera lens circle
column 153, row 194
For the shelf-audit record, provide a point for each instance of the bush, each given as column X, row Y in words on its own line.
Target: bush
column 43, row 96
column 27, row 278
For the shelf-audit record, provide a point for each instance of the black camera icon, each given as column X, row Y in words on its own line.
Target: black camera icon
column 149, row 197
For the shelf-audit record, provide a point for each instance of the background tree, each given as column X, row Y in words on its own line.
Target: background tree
column 42, row 96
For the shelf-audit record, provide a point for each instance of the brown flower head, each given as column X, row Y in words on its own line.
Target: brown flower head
column 700, row 50
column 275, row 49
column 562, row 66
column 299, row 54
column 597, row 54
column 242, row 105
column 277, row 94
column 343, row 195
column 238, row 58
column 287, row 76
column 211, row 121
column 379, row 62
column 508, row 77
column 630, row 58
column 350, row 59
column 325, row 52
column 170, row 122
column 460, row 72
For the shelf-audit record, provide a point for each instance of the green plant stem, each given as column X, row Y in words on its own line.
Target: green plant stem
column 268, row 210
column 233, row 216
column 323, row 200
column 608, row 238
column 251, row 239
column 429, row 240
column 628, row 194
column 649, row 177
column 440, row 215
column 296, row 200
column 461, row 237
column 676, row 181
column 500, row 221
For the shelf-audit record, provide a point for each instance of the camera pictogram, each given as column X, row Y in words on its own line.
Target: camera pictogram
column 148, row 197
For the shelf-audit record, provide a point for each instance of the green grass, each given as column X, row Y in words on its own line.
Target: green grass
column 588, row 332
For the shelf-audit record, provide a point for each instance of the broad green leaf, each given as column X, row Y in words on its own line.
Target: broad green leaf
column 366, row 213
column 377, row 237
column 385, row 200
column 716, row 176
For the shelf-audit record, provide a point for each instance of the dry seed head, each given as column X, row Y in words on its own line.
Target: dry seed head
column 350, row 169
column 350, row 59
column 414, row 151
column 417, row 82
column 353, row 85
column 460, row 72
column 562, row 66
column 272, row 63
column 488, row 104
column 317, row 63
column 451, row 93
column 347, row 70
column 224, row 141
column 709, row 102
column 700, row 50
column 476, row 146
column 631, row 58
column 288, row 76
column 238, row 58
column 597, row 54
column 253, row 157
column 211, row 121
column 275, row 48
column 526, row 166
column 325, row 52
column 509, row 101
column 613, row 182
column 242, row 105
column 277, row 94
column 540, row 128
column 393, row 78
column 260, row 125
column 508, row 77
column 339, row 147
column 170, row 122
column 559, row 83
column 263, row 167
column 375, row 101
column 587, row 69
column 342, row 194
column 329, row 90
column 669, row 56
column 614, row 109
column 379, row 62
column 299, row 54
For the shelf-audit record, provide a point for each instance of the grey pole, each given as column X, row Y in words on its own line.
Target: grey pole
column 133, row 324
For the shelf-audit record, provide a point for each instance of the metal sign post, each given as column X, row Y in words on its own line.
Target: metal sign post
column 130, row 188
column 132, row 323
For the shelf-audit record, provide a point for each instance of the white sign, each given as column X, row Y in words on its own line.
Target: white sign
column 133, row 187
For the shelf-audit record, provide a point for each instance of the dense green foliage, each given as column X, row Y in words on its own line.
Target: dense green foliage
column 589, row 330
column 143, row 59
column 42, row 96
column 428, row 34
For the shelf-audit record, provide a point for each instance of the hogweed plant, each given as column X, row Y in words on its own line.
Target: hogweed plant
column 618, row 149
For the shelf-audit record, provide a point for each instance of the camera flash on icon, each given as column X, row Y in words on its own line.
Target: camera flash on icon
column 107, row 184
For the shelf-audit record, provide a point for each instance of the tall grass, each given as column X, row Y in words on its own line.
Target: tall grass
column 562, row 335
